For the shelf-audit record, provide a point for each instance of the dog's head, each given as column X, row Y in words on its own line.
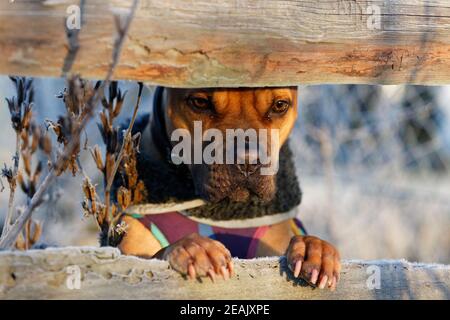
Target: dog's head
column 241, row 172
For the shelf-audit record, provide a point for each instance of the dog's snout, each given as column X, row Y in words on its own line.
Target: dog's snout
column 248, row 169
column 246, row 153
column 247, row 159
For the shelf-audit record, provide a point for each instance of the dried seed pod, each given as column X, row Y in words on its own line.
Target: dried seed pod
column 20, row 106
column 29, row 236
column 139, row 193
column 37, row 173
column 113, row 210
column 36, row 137
column 119, row 103
column 89, row 190
column 26, row 160
column 97, row 156
column 22, row 183
column 8, row 174
column 20, row 242
column 124, row 197
column 24, row 139
column 37, row 232
column 27, row 115
column 45, row 144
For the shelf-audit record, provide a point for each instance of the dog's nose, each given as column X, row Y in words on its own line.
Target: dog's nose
column 248, row 169
column 247, row 160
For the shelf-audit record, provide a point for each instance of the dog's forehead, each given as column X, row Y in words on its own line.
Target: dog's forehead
column 239, row 92
column 248, row 92
column 224, row 97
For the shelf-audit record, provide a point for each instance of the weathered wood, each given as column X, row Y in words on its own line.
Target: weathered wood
column 191, row 43
column 105, row 274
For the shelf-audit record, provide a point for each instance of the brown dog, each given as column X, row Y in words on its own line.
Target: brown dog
column 314, row 259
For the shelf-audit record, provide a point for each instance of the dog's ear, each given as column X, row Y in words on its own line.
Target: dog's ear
column 158, row 127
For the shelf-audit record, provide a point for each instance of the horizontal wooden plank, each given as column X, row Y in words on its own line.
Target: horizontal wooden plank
column 192, row 43
column 105, row 274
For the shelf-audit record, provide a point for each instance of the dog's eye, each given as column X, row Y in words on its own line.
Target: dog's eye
column 280, row 106
column 199, row 103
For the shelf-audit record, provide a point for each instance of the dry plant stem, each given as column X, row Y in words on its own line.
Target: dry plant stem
column 7, row 240
column 125, row 137
column 27, row 234
column 85, row 175
column 108, row 219
column 13, row 186
column 118, row 160
column 11, row 235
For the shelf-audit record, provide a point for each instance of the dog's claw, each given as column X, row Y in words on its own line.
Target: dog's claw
column 197, row 256
column 231, row 268
column 225, row 273
column 314, row 276
column 314, row 260
column 323, row 282
column 191, row 271
column 212, row 275
column 297, row 269
column 333, row 284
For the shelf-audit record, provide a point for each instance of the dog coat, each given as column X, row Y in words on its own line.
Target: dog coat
column 172, row 210
column 242, row 242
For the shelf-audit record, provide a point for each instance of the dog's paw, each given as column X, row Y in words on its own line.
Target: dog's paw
column 197, row 256
column 314, row 260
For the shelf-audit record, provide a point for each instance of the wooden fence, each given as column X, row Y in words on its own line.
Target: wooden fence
column 105, row 274
column 196, row 43
column 191, row 43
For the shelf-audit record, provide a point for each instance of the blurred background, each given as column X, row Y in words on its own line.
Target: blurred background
column 373, row 161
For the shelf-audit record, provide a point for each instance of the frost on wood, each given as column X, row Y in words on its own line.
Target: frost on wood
column 106, row 274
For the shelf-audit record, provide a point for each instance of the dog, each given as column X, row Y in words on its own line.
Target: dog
column 195, row 255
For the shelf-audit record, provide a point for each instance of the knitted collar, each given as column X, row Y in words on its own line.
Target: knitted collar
column 170, row 187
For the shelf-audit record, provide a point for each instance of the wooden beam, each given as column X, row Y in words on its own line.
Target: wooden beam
column 105, row 274
column 192, row 43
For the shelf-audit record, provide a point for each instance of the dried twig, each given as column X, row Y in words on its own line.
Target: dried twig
column 20, row 110
column 127, row 137
column 127, row 140
column 116, row 156
column 12, row 181
column 8, row 238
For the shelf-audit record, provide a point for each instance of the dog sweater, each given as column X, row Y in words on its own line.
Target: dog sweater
column 170, row 227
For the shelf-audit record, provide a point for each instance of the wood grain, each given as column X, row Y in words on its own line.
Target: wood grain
column 187, row 43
